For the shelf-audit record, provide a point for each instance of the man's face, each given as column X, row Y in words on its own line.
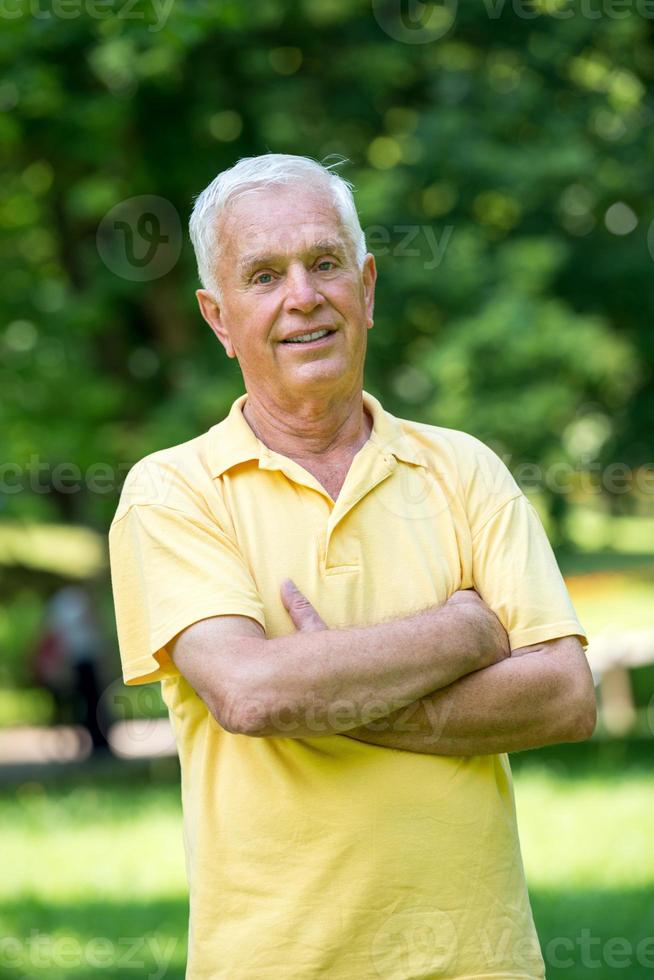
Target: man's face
column 287, row 268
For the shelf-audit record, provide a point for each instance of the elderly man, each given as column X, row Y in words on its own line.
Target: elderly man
column 353, row 617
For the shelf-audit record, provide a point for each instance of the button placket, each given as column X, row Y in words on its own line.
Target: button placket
column 343, row 506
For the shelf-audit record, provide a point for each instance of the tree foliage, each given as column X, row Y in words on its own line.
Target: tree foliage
column 504, row 178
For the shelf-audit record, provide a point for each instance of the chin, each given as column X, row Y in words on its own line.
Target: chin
column 318, row 374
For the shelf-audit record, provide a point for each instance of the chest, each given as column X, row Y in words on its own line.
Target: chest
column 330, row 475
column 397, row 548
column 330, row 472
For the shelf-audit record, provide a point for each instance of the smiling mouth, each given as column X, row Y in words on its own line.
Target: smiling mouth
column 310, row 337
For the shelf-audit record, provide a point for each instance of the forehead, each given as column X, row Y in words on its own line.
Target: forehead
column 284, row 220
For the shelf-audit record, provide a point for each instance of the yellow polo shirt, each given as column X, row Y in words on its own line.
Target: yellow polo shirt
column 325, row 857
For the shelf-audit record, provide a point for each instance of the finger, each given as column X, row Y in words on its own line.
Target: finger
column 304, row 616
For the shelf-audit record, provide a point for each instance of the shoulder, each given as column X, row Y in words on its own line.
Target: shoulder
column 473, row 460
column 177, row 477
column 470, row 467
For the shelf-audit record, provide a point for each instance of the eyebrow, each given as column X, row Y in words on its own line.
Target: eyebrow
column 325, row 245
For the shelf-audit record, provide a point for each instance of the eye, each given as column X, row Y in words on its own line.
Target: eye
column 263, row 279
column 326, row 265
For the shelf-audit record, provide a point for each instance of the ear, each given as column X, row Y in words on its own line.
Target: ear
column 210, row 310
column 369, row 275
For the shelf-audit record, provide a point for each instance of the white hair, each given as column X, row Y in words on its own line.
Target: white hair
column 252, row 173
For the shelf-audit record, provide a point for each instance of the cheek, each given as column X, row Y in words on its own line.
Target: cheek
column 344, row 299
column 250, row 329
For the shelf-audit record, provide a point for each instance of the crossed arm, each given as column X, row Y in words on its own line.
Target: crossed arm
column 524, row 702
column 442, row 682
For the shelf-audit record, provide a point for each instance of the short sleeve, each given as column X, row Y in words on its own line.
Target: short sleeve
column 515, row 572
column 169, row 570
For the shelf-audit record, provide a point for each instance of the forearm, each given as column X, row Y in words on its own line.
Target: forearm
column 521, row 703
column 330, row 681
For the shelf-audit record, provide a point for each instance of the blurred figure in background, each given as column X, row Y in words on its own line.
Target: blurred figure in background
column 67, row 661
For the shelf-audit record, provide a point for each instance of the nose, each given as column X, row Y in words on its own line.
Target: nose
column 301, row 293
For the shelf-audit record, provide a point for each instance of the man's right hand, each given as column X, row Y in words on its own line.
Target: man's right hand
column 481, row 630
column 474, row 624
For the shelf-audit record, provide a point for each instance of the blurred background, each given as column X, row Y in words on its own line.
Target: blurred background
column 502, row 156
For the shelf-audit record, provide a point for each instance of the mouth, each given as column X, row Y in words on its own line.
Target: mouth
column 313, row 338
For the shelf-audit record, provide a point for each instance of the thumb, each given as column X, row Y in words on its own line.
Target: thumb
column 304, row 616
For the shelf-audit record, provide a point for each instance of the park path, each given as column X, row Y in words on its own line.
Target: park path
column 40, row 751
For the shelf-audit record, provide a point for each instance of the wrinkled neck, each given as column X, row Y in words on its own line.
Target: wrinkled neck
column 314, row 428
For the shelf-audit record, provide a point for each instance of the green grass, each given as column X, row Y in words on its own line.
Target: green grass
column 101, row 867
column 586, row 838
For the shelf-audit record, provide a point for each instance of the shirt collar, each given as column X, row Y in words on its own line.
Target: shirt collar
column 234, row 442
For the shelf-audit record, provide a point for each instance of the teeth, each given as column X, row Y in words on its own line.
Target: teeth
column 304, row 337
